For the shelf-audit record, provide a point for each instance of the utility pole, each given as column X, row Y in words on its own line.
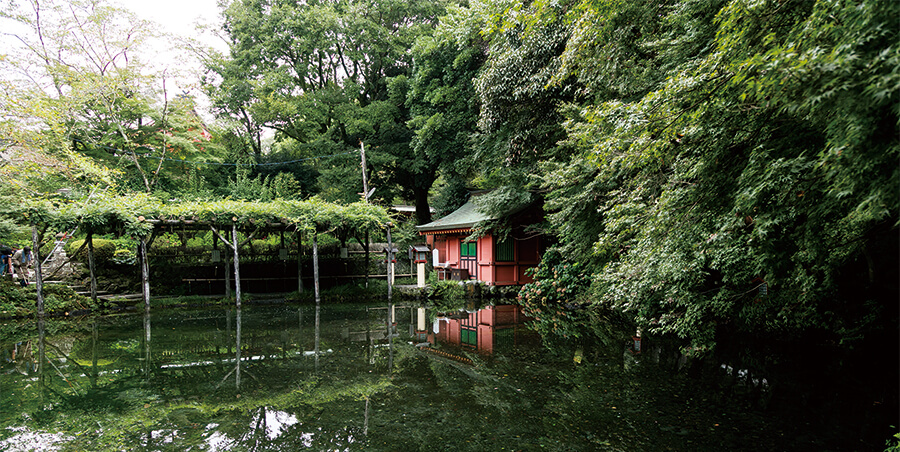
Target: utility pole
column 362, row 154
column 366, row 194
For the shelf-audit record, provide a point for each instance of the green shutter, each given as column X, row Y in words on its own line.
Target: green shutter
column 469, row 337
column 506, row 250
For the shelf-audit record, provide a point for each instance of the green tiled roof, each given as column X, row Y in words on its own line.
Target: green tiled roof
column 464, row 217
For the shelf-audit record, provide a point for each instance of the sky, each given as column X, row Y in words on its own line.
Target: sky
column 179, row 17
column 176, row 14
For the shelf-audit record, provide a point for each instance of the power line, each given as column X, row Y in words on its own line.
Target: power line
column 117, row 151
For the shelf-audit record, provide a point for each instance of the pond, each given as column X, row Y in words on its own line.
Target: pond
column 366, row 377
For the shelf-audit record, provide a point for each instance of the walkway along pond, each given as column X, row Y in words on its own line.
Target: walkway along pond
column 391, row 377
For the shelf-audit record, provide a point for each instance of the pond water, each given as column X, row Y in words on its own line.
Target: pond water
column 353, row 377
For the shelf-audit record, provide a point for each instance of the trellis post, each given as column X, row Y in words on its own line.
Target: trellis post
column 315, row 247
column 299, row 261
column 145, row 273
column 237, row 266
column 36, row 260
column 390, row 260
column 91, row 264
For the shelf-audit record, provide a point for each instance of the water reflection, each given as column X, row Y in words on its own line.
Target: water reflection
column 361, row 378
column 480, row 330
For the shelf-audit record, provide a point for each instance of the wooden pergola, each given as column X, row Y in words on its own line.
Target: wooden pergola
column 144, row 218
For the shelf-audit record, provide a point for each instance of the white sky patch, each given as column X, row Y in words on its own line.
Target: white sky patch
column 180, row 19
column 31, row 440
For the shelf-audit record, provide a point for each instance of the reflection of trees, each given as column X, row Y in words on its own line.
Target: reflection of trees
column 148, row 383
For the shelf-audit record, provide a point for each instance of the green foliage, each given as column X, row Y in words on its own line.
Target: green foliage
column 104, row 250
column 13, row 300
column 556, row 298
column 134, row 214
column 326, row 76
column 446, row 291
column 893, row 444
column 86, row 105
column 728, row 161
column 59, row 299
column 21, row 301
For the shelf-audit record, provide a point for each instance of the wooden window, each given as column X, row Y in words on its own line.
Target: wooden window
column 468, row 249
column 506, row 251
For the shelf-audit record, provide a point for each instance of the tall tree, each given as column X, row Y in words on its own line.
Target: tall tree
column 75, row 87
column 444, row 108
column 735, row 164
column 326, row 74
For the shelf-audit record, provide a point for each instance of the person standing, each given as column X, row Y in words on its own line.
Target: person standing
column 5, row 253
column 21, row 259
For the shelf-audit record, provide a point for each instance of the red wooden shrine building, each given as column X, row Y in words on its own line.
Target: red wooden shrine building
column 490, row 258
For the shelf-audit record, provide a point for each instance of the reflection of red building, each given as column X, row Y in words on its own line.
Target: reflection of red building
column 482, row 330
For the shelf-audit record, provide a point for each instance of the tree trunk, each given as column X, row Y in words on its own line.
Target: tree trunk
column 423, row 210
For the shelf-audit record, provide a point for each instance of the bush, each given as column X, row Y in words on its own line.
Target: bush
column 104, row 250
column 12, row 298
column 60, row 298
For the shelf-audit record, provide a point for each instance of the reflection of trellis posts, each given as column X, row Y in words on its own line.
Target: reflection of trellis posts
column 366, row 419
column 42, row 358
column 316, row 345
column 315, row 244
column 237, row 351
column 146, row 345
column 94, row 336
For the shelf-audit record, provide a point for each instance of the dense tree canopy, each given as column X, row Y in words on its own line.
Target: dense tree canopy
column 735, row 164
column 326, row 76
